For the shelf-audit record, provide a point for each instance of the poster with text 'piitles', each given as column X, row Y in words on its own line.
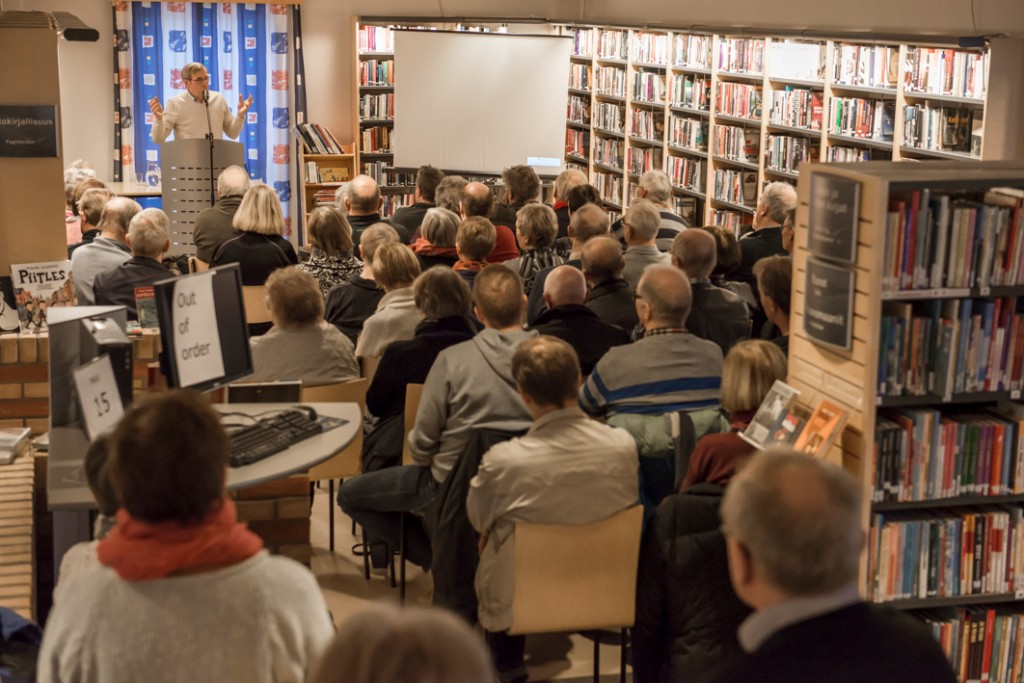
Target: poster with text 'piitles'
column 39, row 287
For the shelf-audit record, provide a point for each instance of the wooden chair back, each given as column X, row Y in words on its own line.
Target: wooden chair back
column 413, row 394
column 255, row 299
column 576, row 577
column 348, row 463
column 368, row 367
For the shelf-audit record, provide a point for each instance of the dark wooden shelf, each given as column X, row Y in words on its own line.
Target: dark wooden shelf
column 864, row 142
column 749, row 165
column 689, row 150
column 958, row 601
column 795, row 130
column 952, row 293
column 944, row 503
column 735, row 207
column 703, row 113
column 742, row 76
column 740, row 120
column 885, row 93
column 937, row 153
column 936, row 400
column 952, row 99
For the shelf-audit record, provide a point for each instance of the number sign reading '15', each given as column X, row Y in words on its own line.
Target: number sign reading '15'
column 828, row 304
column 832, row 219
column 99, row 396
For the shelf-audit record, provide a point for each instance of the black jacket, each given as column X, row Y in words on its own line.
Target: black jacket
column 256, row 255
column 718, row 315
column 349, row 304
column 410, row 217
column 361, row 223
column 87, row 237
column 686, row 612
column 579, row 326
column 213, row 225
column 117, row 287
column 535, row 305
column 856, row 644
column 613, row 303
column 409, row 361
column 755, row 246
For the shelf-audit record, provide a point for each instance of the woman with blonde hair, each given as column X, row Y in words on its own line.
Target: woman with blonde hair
column 687, row 613
column 395, row 268
column 331, row 260
column 257, row 244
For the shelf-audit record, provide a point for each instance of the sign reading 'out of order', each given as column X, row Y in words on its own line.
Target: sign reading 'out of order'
column 196, row 337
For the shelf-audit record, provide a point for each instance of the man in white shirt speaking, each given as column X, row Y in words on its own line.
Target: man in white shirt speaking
column 197, row 112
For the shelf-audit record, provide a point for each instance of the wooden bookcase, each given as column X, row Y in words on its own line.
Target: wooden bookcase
column 850, row 377
column 316, row 189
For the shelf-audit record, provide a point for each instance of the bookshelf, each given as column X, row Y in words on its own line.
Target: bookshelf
column 322, row 174
column 722, row 115
column 932, row 380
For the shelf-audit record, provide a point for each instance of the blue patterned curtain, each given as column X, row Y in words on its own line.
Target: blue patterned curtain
column 244, row 48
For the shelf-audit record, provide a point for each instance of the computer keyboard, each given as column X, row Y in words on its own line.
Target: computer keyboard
column 270, row 435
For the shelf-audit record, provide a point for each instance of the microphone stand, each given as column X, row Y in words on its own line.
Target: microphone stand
column 209, row 136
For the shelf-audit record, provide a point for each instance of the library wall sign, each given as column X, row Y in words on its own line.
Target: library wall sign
column 828, row 304
column 28, row 130
column 832, row 220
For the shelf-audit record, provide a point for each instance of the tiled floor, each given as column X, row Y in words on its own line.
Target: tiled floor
column 549, row 657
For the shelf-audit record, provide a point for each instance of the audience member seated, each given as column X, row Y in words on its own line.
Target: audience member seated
column 750, row 369
column 610, row 297
column 776, row 200
column 567, row 469
column 793, row 533
column 581, row 195
column 536, row 227
column 74, row 174
column 107, row 250
column 185, row 592
column 640, row 226
column 566, row 181
column 727, row 260
column 395, row 268
column 588, row 221
column 301, row 345
column 477, row 201
column 775, row 282
column 149, row 236
column 448, row 194
column 82, row 556
column 655, row 187
column 443, row 302
column 257, row 245
column 410, row 217
column 717, row 314
column 789, row 231
column 522, row 186
column 89, row 231
column 470, row 387
column 362, row 207
column 474, row 241
column 565, row 292
column 436, row 244
column 385, row 644
column 213, row 225
column 349, row 304
column 331, row 260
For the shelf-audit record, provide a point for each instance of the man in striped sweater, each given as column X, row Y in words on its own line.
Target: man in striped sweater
column 669, row 369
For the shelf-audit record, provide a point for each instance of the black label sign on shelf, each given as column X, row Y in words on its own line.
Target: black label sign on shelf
column 828, row 304
column 832, row 218
column 28, row 130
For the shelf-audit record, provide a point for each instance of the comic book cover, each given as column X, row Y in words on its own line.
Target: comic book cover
column 39, row 287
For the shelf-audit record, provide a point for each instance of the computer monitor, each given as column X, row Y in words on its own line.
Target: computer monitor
column 203, row 329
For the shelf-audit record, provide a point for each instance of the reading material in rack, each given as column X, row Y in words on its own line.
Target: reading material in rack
column 12, row 441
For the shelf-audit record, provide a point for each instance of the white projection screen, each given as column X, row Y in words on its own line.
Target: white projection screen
column 480, row 102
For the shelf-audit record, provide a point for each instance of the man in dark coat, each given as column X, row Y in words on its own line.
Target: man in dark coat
column 214, row 223
column 610, row 296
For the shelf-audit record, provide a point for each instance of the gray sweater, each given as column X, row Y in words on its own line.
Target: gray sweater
column 470, row 386
column 263, row 620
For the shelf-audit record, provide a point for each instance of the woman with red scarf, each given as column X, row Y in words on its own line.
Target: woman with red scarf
column 183, row 591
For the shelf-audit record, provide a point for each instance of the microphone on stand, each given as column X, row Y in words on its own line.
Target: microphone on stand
column 209, row 124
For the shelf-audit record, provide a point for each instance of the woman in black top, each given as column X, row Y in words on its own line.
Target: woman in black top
column 257, row 245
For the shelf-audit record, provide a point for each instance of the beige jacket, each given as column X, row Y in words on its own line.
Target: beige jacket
column 568, row 469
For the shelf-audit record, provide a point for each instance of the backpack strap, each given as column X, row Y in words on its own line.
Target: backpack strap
column 684, row 438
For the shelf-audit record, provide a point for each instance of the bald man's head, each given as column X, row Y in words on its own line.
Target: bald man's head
column 666, row 293
column 565, row 286
column 363, row 196
column 477, row 200
column 695, row 253
column 602, row 260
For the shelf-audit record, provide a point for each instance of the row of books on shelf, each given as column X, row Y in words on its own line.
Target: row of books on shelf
column 738, row 99
column 845, row 154
column 923, row 454
column 612, row 44
column 643, row 159
column 692, row 92
column 326, row 174
column 951, row 346
column 609, row 151
column 579, row 110
column 381, row 106
column 736, row 222
column 649, row 87
column 736, row 142
column 610, row 117
column 393, row 202
column 942, row 128
column 691, row 51
column 376, row 139
column 873, row 66
column 688, row 132
column 376, row 39
column 981, row 645
column 317, row 139
column 785, row 152
column 377, row 72
column 609, row 186
column 797, row 107
column 579, row 76
column 647, row 124
column 741, row 55
column 650, row 48
column 780, row 421
column 964, row 240
column 950, row 554
column 322, row 197
column 938, row 71
column 863, row 118
column 577, row 143
column 736, row 187
column 611, row 81
column 687, row 173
